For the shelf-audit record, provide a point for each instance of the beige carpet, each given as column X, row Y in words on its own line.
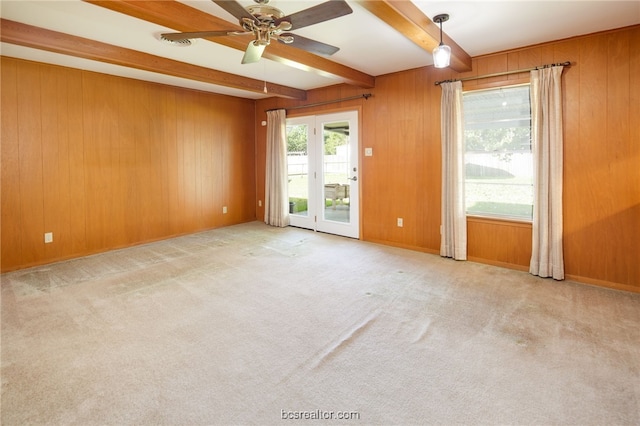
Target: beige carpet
column 255, row 325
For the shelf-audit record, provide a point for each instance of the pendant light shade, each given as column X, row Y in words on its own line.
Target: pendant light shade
column 442, row 53
column 441, row 56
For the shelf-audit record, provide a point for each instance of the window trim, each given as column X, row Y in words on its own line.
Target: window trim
column 499, row 221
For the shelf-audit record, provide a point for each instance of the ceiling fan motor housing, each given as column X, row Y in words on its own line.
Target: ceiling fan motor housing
column 264, row 27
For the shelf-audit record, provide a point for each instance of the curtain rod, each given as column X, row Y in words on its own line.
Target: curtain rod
column 564, row 64
column 365, row 96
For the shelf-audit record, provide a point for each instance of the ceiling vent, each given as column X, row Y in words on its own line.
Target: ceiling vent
column 182, row 43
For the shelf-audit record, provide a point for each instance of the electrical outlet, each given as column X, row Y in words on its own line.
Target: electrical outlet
column 400, row 222
column 48, row 237
column 368, row 152
column 224, row 209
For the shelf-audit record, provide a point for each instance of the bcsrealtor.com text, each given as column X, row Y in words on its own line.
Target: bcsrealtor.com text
column 319, row 415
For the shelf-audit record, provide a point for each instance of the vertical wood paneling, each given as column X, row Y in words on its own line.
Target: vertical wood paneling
column 377, row 202
column 140, row 193
column 163, row 132
column 130, row 195
column 241, row 179
column 150, row 158
column 372, row 137
column 403, row 126
column 165, row 164
column 491, row 65
column 219, row 181
column 568, row 50
column 207, row 189
column 100, row 153
column 77, row 210
column 227, row 133
column 432, row 187
column 601, row 152
column 367, row 164
column 632, row 181
column 619, row 149
column 587, row 188
column 199, row 121
column 188, row 112
column 502, row 239
column 31, row 174
column 523, row 59
column 10, row 200
column 424, row 218
column 106, row 162
column 55, row 152
column 202, row 140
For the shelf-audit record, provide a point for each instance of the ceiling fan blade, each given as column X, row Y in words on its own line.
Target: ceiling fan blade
column 323, row 12
column 253, row 53
column 310, row 45
column 235, row 8
column 198, row 34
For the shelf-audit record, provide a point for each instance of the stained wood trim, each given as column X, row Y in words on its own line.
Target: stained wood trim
column 601, row 283
column 181, row 17
column 53, row 41
column 499, row 221
column 507, row 265
column 408, row 20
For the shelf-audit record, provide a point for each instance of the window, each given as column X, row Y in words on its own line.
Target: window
column 498, row 157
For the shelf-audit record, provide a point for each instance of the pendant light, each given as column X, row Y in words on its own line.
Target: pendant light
column 442, row 53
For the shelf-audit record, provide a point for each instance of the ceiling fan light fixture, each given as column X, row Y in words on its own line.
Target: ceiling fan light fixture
column 442, row 53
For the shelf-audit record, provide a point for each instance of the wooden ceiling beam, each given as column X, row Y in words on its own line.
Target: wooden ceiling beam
column 53, row 41
column 408, row 20
column 182, row 18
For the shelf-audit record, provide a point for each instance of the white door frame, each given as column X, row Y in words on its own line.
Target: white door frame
column 318, row 217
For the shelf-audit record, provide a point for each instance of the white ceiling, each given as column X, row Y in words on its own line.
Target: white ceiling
column 366, row 43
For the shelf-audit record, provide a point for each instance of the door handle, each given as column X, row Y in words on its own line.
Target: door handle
column 353, row 178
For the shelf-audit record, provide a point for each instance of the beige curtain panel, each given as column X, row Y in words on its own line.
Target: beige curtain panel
column 454, row 220
column 276, row 202
column 546, row 125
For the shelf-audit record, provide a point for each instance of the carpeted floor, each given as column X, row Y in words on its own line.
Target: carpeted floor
column 258, row 325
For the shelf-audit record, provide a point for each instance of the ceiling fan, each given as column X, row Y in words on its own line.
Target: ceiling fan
column 268, row 23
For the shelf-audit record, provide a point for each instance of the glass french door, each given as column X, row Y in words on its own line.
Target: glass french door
column 322, row 154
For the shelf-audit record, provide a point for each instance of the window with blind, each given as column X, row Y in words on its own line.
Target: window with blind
column 498, row 156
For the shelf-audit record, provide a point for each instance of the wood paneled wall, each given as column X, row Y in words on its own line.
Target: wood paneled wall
column 105, row 162
column 401, row 122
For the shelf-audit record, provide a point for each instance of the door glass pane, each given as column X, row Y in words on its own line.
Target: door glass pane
column 336, row 173
column 298, row 168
